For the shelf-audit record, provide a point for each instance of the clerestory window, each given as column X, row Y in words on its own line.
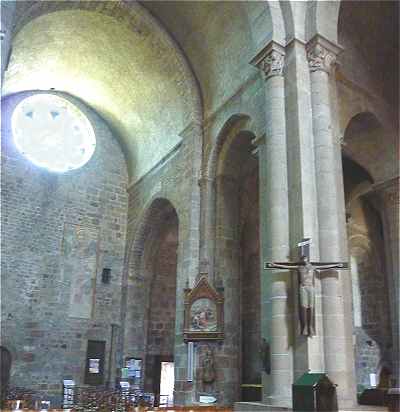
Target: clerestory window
column 52, row 132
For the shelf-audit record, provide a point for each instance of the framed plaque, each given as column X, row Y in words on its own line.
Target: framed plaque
column 204, row 313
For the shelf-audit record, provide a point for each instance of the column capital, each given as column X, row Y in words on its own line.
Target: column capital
column 322, row 54
column 270, row 60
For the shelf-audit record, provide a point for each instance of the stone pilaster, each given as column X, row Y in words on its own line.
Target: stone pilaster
column 188, row 258
column 276, row 286
column 207, row 226
column 337, row 349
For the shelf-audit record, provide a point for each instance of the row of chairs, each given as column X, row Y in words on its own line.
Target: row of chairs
column 85, row 399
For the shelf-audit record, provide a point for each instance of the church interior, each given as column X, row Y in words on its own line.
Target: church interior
column 200, row 205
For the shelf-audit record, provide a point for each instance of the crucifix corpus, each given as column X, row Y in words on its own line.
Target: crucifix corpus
column 306, row 276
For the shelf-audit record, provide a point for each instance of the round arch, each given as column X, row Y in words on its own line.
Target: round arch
column 150, row 288
column 112, row 82
column 122, row 11
column 363, row 136
column 150, row 217
column 234, row 170
column 235, row 124
column 322, row 17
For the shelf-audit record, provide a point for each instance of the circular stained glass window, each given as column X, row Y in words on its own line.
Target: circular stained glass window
column 52, row 133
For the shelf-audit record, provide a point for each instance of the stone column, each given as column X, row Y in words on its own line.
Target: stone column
column 337, row 345
column 276, row 286
column 303, row 219
column 207, row 227
column 389, row 195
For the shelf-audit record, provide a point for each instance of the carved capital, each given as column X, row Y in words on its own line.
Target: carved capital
column 272, row 64
column 270, row 60
column 320, row 58
column 322, row 54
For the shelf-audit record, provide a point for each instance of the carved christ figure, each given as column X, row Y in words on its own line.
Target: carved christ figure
column 306, row 273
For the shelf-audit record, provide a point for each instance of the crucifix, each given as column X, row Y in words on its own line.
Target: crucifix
column 306, row 276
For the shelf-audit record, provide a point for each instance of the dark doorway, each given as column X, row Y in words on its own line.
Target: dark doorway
column 94, row 374
column 157, row 367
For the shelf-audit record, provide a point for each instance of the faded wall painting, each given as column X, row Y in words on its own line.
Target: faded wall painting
column 80, row 245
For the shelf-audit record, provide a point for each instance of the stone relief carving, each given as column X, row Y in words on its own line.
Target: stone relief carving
column 320, row 58
column 208, row 370
column 272, row 64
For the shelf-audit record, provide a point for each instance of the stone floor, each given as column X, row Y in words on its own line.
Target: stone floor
column 259, row 407
column 239, row 407
column 170, row 409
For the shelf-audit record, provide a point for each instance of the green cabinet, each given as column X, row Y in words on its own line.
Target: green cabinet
column 314, row 392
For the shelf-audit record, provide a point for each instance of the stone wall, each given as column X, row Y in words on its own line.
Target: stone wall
column 175, row 182
column 162, row 294
column 161, row 309
column 173, row 186
column 250, row 279
column 41, row 212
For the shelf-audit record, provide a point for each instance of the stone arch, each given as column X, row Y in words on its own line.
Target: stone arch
column 146, row 245
column 235, row 173
column 132, row 39
column 362, row 143
column 369, row 275
column 369, row 51
column 122, row 11
column 235, row 123
column 150, row 217
column 322, row 17
column 276, row 11
column 363, row 108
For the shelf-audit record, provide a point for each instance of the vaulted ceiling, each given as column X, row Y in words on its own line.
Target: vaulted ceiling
column 119, row 64
column 124, row 60
column 219, row 38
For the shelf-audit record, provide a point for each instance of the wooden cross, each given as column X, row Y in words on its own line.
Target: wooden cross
column 306, row 275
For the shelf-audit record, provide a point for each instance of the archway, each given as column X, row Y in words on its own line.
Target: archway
column 237, row 258
column 151, row 296
column 369, row 105
column 160, row 260
column 370, row 282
